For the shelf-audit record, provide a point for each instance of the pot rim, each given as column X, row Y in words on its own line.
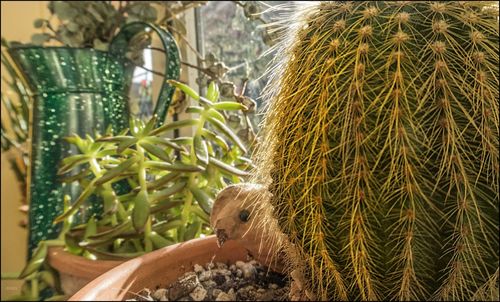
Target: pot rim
column 78, row 266
column 164, row 266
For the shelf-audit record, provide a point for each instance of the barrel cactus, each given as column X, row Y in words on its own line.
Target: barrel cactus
column 380, row 149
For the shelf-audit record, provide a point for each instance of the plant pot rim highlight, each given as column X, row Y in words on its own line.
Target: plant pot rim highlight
column 78, row 266
column 158, row 268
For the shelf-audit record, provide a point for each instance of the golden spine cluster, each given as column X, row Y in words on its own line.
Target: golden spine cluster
column 380, row 148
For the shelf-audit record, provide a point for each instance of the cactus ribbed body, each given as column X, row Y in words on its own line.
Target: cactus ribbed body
column 382, row 149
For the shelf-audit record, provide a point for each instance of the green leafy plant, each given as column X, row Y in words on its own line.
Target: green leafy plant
column 171, row 183
column 94, row 23
column 382, row 149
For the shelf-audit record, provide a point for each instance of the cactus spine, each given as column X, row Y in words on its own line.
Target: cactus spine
column 382, row 149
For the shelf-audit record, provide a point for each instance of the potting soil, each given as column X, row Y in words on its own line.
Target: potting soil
column 242, row 281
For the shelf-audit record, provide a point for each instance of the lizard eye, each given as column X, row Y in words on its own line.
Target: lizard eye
column 244, row 215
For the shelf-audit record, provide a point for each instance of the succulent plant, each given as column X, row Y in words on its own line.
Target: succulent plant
column 382, row 149
column 172, row 181
column 94, row 23
column 170, row 184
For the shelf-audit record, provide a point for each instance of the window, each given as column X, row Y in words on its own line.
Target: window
column 238, row 42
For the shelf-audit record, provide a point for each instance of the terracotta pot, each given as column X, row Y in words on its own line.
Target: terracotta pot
column 158, row 268
column 76, row 271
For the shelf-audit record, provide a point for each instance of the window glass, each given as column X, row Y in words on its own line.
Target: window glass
column 238, row 42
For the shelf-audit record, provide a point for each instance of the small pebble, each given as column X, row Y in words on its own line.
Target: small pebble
column 249, row 271
column 198, row 268
column 273, row 286
column 232, row 294
column 209, row 284
column 232, row 267
column 221, row 266
column 240, row 264
column 160, row 294
column 223, row 297
column 198, row 294
column 205, row 275
column 216, row 292
column 183, row 287
column 224, row 272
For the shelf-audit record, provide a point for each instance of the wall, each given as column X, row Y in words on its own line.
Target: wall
column 17, row 24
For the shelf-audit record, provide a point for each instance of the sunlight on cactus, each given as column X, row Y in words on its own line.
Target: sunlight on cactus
column 381, row 149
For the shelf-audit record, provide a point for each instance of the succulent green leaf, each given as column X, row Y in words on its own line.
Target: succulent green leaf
column 141, row 211
column 71, row 162
column 156, row 151
column 125, row 144
column 183, row 140
column 164, row 205
column 205, row 102
column 167, row 142
column 227, row 168
column 200, row 148
column 165, row 193
column 49, row 278
column 164, row 226
column 194, row 109
column 112, row 232
column 176, row 166
column 191, row 230
column 174, row 125
column 79, row 201
column 163, row 180
column 36, row 261
column 211, row 136
column 227, row 132
column 213, row 91
column 114, row 139
column 201, row 214
column 109, row 175
column 229, row 106
column 71, row 244
column 91, row 228
column 149, row 126
column 185, row 88
column 203, row 199
column 159, row 241
column 216, row 115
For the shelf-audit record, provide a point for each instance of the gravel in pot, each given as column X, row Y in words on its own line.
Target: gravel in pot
column 242, row 281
